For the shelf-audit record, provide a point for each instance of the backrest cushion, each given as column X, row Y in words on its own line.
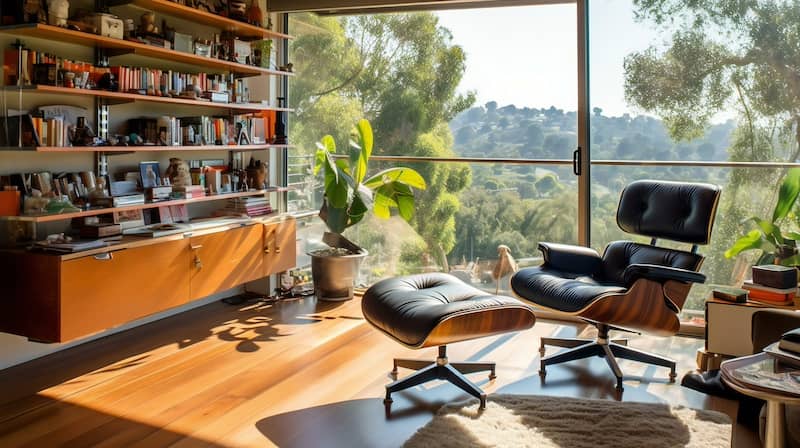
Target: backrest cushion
column 621, row 254
column 678, row 211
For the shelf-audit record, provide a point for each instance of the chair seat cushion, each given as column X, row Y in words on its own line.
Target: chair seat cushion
column 559, row 290
column 410, row 308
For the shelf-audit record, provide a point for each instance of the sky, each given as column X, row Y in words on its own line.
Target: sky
column 527, row 56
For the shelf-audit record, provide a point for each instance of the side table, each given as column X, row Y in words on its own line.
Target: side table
column 776, row 399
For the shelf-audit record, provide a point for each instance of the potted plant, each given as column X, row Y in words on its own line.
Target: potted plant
column 778, row 247
column 349, row 195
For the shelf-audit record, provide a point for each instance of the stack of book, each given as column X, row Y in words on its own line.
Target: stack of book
column 131, row 199
column 188, row 192
column 251, row 207
column 50, row 131
column 767, row 295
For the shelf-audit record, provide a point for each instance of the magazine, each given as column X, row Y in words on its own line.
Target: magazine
column 769, row 374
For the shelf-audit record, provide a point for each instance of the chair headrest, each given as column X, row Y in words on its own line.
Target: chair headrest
column 678, row 211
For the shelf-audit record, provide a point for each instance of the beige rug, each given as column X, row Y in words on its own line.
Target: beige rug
column 538, row 421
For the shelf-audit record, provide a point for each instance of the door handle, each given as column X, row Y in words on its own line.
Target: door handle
column 197, row 262
column 197, row 247
column 107, row 256
column 576, row 162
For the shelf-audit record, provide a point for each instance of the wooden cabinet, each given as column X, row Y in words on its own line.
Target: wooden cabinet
column 220, row 261
column 51, row 298
column 280, row 246
column 107, row 290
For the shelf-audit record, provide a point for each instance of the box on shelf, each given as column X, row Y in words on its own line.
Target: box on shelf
column 775, row 276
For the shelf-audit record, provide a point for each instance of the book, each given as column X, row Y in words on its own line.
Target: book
column 767, row 294
column 735, row 295
column 69, row 247
column 767, row 374
column 786, row 303
column 790, row 341
column 750, row 285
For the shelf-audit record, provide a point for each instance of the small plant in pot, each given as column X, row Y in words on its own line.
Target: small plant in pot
column 349, row 195
column 777, row 246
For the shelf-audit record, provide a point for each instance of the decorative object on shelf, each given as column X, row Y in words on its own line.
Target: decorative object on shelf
column 255, row 16
column 81, row 134
column 178, row 173
column 150, row 174
column 203, row 5
column 44, row 74
column 257, row 174
column 241, row 51
column 147, row 24
column 286, row 68
column 33, row 11
column 183, row 42
column 348, row 196
column 108, row 25
column 241, row 134
column 280, row 124
column 261, row 53
column 108, row 82
column 203, row 48
column 237, row 10
column 58, row 12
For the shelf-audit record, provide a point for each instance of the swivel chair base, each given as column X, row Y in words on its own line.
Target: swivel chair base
column 603, row 347
column 441, row 369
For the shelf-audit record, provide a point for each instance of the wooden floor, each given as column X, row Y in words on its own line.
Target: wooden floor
column 294, row 374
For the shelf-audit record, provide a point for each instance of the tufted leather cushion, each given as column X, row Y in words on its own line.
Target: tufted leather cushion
column 678, row 211
column 409, row 308
column 621, row 254
column 559, row 290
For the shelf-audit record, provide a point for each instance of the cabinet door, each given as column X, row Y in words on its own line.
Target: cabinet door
column 222, row 260
column 103, row 291
column 280, row 246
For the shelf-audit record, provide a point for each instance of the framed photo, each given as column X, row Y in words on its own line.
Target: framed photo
column 128, row 219
column 150, row 174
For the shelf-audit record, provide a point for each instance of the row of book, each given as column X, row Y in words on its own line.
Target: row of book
column 167, row 82
column 19, row 64
column 250, row 207
column 50, row 131
column 768, row 295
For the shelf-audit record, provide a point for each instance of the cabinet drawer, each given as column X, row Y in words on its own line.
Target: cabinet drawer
column 221, row 261
column 280, row 247
column 103, row 291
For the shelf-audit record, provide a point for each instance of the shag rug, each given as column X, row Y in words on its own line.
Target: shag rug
column 539, row 421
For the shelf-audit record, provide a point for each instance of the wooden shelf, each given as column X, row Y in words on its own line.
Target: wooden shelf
column 120, row 97
column 240, row 29
column 147, row 148
column 49, row 32
column 148, row 205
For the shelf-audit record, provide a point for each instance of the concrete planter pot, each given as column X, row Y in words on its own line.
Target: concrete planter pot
column 335, row 275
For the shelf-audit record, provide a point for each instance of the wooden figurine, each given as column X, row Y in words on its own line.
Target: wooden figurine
column 33, row 11
column 147, row 24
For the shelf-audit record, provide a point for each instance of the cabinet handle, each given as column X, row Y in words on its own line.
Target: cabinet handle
column 198, row 263
column 197, row 247
column 104, row 257
column 277, row 249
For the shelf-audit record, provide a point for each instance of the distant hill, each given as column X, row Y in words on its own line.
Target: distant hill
column 550, row 133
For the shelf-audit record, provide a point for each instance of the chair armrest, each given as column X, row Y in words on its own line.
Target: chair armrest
column 769, row 325
column 660, row 273
column 568, row 258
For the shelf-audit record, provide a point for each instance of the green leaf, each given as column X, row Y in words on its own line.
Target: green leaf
column 792, row 236
column 358, row 210
column 405, row 204
column 752, row 240
column 399, row 174
column 328, row 143
column 794, row 260
column 771, row 231
column 787, row 195
column 384, row 202
column 336, row 219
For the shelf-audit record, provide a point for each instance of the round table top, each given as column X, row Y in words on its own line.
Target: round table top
column 766, row 363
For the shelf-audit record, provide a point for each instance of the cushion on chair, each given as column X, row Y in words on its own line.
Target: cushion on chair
column 559, row 290
column 677, row 211
column 410, row 308
column 621, row 254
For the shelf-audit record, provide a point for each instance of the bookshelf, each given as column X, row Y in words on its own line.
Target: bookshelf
column 120, row 47
column 146, row 148
column 122, row 98
column 52, row 306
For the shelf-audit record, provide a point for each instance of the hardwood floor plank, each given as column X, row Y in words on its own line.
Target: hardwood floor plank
column 291, row 374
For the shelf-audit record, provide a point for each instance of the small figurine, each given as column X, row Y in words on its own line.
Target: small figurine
column 58, row 12
column 33, row 12
column 81, row 134
column 147, row 24
column 178, row 173
column 204, row 4
column 108, row 82
column 241, row 135
column 254, row 14
column 237, row 10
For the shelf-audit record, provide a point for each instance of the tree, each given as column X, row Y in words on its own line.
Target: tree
column 401, row 72
column 722, row 51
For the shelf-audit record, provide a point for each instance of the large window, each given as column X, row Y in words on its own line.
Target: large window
column 503, row 103
column 696, row 86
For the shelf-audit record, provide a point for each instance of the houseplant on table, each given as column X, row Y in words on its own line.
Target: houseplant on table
column 778, row 246
column 349, row 195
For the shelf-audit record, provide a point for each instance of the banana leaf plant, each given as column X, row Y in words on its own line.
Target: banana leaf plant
column 349, row 193
column 777, row 246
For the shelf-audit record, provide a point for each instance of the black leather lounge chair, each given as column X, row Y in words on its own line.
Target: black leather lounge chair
column 632, row 286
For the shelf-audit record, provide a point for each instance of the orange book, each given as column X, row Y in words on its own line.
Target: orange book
column 760, row 294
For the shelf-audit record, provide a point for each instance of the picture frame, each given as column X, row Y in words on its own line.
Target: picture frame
column 150, row 174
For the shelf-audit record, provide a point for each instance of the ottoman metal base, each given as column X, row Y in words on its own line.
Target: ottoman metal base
column 441, row 369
